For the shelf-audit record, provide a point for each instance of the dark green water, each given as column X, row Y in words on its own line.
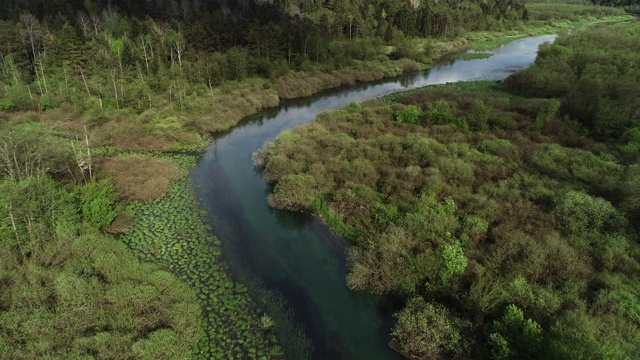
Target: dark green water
column 295, row 254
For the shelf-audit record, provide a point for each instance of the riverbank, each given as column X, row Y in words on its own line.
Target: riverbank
column 127, row 131
column 141, row 219
column 188, row 123
column 221, row 108
column 295, row 253
column 470, row 201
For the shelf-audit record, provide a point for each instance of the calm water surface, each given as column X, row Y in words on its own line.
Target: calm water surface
column 295, row 254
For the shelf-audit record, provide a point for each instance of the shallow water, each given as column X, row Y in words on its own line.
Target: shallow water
column 296, row 254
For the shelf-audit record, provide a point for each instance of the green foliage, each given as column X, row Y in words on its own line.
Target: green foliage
column 548, row 114
column 454, row 262
column 441, row 113
column 599, row 172
column 589, row 73
column 583, row 215
column 160, row 344
column 537, row 216
column 266, row 322
column 479, row 116
column 409, row 115
column 630, row 188
column 515, row 337
column 97, row 200
column 498, row 147
column 67, row 295
column 630, row 145
column 428, row 330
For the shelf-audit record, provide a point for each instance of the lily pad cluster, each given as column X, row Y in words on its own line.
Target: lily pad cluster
column 170, row 231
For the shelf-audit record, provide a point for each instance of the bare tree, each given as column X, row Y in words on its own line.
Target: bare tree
column 32, row 36
column 177, row 43
column 160, row 29
column 31, row 32
column 115, row 88
column 97, row 24
column 85, row 23
column 19, row 159
column 143, row 42
column 110, row 18
column 84, row 164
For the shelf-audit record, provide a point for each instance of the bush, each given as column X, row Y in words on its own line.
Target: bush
column 96, row 199
column 142, row 178
column 428, row 330
column 409, row 115
column 441, row 113
column 583, row 215
column 514, row 337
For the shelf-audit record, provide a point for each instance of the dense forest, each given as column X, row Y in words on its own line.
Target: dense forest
column 122, row 53
column 161, row 75
column 100, row 255
column 98, row 55
column 505, row 216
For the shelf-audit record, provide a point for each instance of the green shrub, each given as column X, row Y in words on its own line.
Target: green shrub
column 600, row 172
column 498, row 147
column 583, row 215
column 441, row 113
column 454, row 262
column 409, row 115
column 479, row 116
column 515, row 337
column 96, row 201
column 428, row 330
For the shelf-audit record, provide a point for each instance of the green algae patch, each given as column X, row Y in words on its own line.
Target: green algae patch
column 170, row 231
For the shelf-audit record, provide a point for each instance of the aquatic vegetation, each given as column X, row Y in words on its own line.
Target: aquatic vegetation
column 170, row 231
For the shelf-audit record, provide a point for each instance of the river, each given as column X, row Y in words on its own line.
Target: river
column 296, row 254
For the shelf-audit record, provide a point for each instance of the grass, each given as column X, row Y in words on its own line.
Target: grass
column 491, row 44
column 472, row 56
column 486, row 87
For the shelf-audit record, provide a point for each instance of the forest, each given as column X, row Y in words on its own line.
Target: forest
column 99, row 254
column 505, row 215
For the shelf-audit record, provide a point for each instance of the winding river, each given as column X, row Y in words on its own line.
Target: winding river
column 296, row 254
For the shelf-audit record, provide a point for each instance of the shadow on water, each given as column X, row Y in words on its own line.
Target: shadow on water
column 298, row 266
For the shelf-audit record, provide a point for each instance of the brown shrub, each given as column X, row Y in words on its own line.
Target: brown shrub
column 407, row 65
column 227, row 109
column 142, row 178
column 21, row 117
column 64, row 118
column 129, row 136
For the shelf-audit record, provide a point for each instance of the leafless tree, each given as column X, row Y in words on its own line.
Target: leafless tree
column 31, row 32
column 85, row 23
column 32, row 36
column 97, row 24
column 143, row 42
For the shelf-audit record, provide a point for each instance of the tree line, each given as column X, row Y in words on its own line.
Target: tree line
column 119, row 54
